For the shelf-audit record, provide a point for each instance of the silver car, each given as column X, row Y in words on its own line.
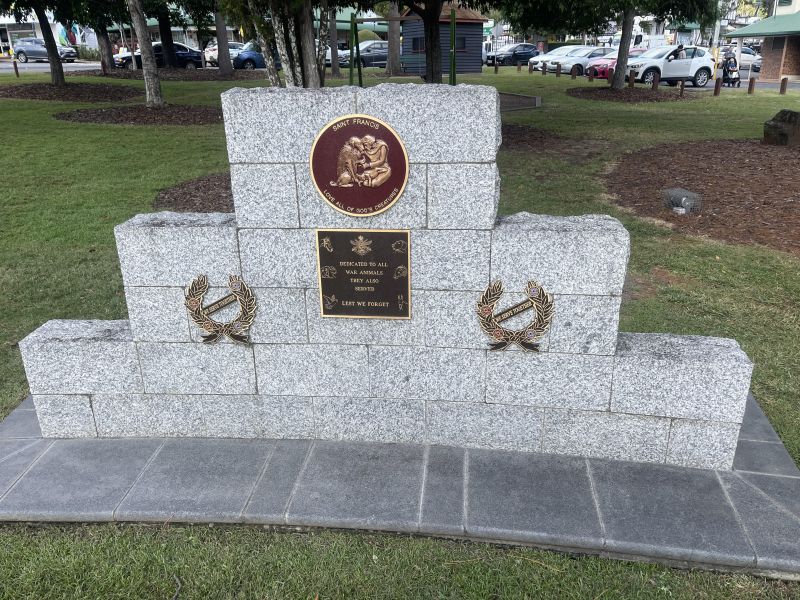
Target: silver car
column 578, row 59
column 26, row 49
column 536, row 62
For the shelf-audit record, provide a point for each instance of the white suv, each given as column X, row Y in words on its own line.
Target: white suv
column 696, row 67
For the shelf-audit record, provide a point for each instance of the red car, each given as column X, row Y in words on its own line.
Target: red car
column 600, row 66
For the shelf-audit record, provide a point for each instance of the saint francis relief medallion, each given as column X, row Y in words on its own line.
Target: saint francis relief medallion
column 359, row 165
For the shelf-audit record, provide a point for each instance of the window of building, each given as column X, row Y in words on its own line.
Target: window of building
column 784, row 2
column 778, row 43
column 418, row 44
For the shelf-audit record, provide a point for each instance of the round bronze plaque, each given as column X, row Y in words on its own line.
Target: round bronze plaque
column 359, row 165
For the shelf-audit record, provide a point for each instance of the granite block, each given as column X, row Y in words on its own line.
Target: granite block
column 585, row 255
column 668, row 512
column 479, row 425
column 171, row 249
column 605, row 435
column 16, row 457
column 271, row 496
column 312, row 370
column 197, row 480
column 437, row 122
column 20, row 424
column 370, row 420
column 278, row 125
column 585, row 324
column 280, row 316
column 531, row 498
column 272, row 417
column 772, row 531
column 197, row 368
column 756, row 425
column 26, row 404
column 65, row 416
column 409, row 212
column 146, row 415
column 691, row 377
column 158, row 314
column 368, row 486
column 450, row 260
column 451, row 321
column 427, row 373
column 81, row 357
column 442, row 508
column 265, row 195
column 463, row 196
column 764, row 457
column 77, row 480
column 285, row 417
column 393, row 332
column 549, row 379
column 278, row 257
column 702, row 444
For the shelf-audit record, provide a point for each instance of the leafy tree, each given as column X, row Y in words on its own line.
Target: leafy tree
column 97, row 14
column 152, row 84
column 20, row 10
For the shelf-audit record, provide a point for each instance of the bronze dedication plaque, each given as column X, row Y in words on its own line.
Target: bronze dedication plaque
column 359, row 165
column 364, row 274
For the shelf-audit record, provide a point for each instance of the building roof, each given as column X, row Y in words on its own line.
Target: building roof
column 771, row 26
column 463, row 15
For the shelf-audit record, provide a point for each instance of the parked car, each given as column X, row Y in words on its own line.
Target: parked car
column 250, row 57
column 749, row 56
column 512, row 54
column 756, row 67
column 557, row 53
column 577, row 59
column 26, row 49
column 696, row 67
column 374, row 53
column 599, row 66
column 186, row 58
column 212, row 52
column 341, row 52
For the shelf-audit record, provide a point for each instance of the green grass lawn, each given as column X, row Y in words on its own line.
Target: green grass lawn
column 66, row 185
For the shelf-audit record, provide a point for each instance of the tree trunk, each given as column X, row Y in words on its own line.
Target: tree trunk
column 291, row 28
column 279, row 24
column 265, row 37
column 308, row 51
column 165, row 32
column 152, row 84
column 393, row 66
column 223, row 52
column 624, row 47
column 106, row 52
column 433, row 46
column 56, row 69
column 322, row 36
column 334, row 44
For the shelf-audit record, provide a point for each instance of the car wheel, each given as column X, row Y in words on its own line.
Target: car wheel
column 578, row 70
column 22, row 57
column 129, row 65
column 701, row 78
column 190, row 66
column 363, row 64
column 70, row 60
column 649, row 76
column 249, row 65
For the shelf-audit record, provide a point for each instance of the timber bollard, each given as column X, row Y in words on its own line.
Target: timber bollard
column 496, row 67
column 530, row 68
column 656, row 80
column 519, row 67
column 16, row 68
column 751, row 86
column 574, row 71
column 682, row 87
column 632, row 79
column 591, row 74
column 558, row 69
column 544, row 68
column 610, row 76
column 784, row 85
column 718, row 86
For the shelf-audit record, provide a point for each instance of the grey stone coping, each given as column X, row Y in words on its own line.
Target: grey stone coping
column 745, row 519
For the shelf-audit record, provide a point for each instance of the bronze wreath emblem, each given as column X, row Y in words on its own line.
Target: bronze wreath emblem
column 538, row 299
column 237, row 329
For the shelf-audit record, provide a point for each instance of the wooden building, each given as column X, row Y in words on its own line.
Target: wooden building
column 469, row 42
column 780, row 49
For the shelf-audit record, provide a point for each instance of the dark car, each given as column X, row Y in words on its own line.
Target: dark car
column 26, row 49
column 250, row 57
column 374, row 53
column 186, row 58
column 512, row 54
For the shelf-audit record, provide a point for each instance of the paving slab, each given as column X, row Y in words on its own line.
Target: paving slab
column 15, row 457
column 442, row 508
column 668, row 512
column 773, row 531
column 368, row 486
column 272, row 493
column 755, row 425
column 27, row 404
column 531, row 498
column 20, row 424
column 783, row 491
column 77, row 480
column 197, row 480
column 764, row 457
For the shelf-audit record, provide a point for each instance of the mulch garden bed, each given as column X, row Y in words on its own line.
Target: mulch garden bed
column 210, row 193
column 139, row 114
column 629, row 95
column 175, row 74
column 522, row 138
column 72, row 92
column 750, row 191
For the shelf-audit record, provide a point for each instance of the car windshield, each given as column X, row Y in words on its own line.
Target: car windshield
column 560, row 51
column 366, row 44
column 251, row 47
column 582, row 52
column 507, row 48
column 656, row 52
